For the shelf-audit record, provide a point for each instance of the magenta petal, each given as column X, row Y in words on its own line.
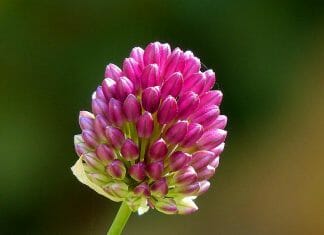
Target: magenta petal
column 132, row 71
column 219, row 149
column 129, row 150
column 115, row 112
column 175, row 63
column 187, row 104
column 218, row 123
column 155, row 170
column 179, row 160
column 90, row 138
column 151, row 99
column 177, row 132
column 185, row 176
column 210, row 80
column 194, row 133
column 168, row 110
column 145, row 125
column 105, row 153
column 115, row 136
column 211, row 98
column 99, row 107
column 156, row 53
column 195, row 83
column 192, row 64
column 150, row 76
column 210, row 139
column 109, row 88
column 116, row 169
column 203, row 187
column 99, row 125
column 137, row 171
column 172, row 85
column 113, row 71
column 142, row 190
column 201, row 159
column 158, row 150
column 159, row 188
column 124, row 87
column 86, row 120
column 137, row 54
column 206, row 173
column 206, row 115
column 131, row 108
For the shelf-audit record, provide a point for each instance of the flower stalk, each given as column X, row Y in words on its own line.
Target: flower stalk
column 120, row 220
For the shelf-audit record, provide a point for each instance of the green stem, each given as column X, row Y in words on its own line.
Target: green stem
column 120, row 220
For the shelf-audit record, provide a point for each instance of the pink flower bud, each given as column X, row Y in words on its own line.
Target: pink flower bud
column 132, row 71
column 156, row 53
column 99, row 125
column 218, row 123
column 131, row 108
column 98, row 94
column 99, row 107
column 109, row 88
column 194, row 133
column 167, row 206
column 185, row 176
column 113, row 71
column 206, row 173
column 86, row 120
column 203, row 187
column 188, row 190
column 179, row 160
column 142, row 190
column 116, row 169
column 115, row 136
column 150, row 76
column 192, row 64
column 90, row 138
column 187, row 104
column 168, row 110
column 210, row 139
column 115, row 113
column 186, row 206
column 155, row 170
column 151, row 99
column 201, row 159
column 137, row 54
column 206, row 115
column 214, row 163
column 218, row 150
column 175, row 62
column 210, row 79
column 172, row 85
column 124, row 87
column 137, row 171
column 105, row 153
column 129, row 150
column 82, row 148
column 177, row 132
column 145, row 125
column 158, row 150
column 92, row 160
column 117, row 189
column 195, row 83
column 159, row 188
column 211, row 98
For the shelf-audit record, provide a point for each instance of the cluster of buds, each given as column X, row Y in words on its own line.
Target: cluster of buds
column 155, row 133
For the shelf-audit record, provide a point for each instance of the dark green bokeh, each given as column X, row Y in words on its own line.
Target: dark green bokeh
column 267, row 56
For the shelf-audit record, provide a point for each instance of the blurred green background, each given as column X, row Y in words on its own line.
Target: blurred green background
column 269, row 60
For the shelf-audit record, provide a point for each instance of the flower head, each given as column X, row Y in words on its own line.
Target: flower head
column 155, row 133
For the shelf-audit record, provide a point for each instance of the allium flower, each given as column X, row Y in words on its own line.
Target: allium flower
column 155, row 133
